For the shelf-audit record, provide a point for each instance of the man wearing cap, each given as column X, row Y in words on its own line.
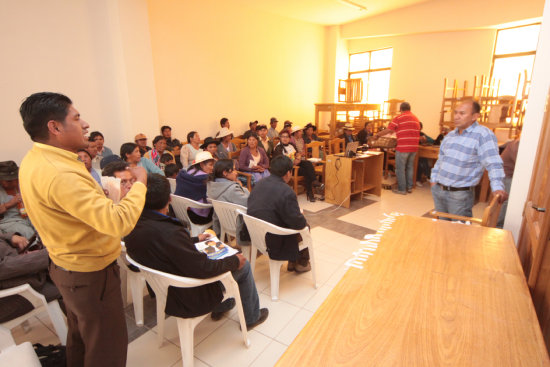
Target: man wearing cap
column 272, row 132
column 80, row 227
column 141, row 141
column 348, row 134
column 465, row 153
column 13, row 215
column 226, row 146
column 407, row 128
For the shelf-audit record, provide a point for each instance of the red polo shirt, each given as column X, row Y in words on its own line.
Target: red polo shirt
column 407, row 129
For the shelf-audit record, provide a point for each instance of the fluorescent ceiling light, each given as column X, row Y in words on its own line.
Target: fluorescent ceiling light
column 353, row 4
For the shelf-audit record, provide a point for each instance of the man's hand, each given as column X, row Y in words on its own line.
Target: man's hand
column 503, row 195
column 19, row 242
column 242, row 260
column 139, row 173
column 14, row 201
column 204, row 236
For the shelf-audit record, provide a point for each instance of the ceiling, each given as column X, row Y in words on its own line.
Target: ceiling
column 327, row 12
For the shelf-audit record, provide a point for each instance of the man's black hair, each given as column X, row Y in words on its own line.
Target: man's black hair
column 85, row 151
column 250, row 133
column 171, row 169
column 158, row 192
column 39, row 108
column 166, row 157
column 164, row 128
column 127, row 148
column 95, row 134
column 221, row 166
column 158, row 138
column 280, row 165
column 405, row 106
column 111, row 168
column 223, row 121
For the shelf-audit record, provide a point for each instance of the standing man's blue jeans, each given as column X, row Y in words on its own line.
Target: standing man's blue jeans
column 404, row 169
column 453, row 202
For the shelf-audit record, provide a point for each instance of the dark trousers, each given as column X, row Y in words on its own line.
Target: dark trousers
column 308, row 171
column 95, row 316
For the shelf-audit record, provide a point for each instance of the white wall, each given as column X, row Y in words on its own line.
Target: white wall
column 213, row 59
column 78, row 48
column 536, row 108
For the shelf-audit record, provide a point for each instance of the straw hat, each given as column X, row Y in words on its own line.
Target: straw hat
column 295, row 128
column 348, row 127
column 224, row 132
column 202, row 157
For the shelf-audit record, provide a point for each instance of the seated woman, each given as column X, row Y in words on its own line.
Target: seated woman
column 253, row 159
column 13, row 215
column 211, row 145
column 309, row 134
column 226, row 145
column 129, row 152
column 85, row 157
column 285, row 147
column 223, row 185
column 191, row 183
column 159, row 148
column 190, row 150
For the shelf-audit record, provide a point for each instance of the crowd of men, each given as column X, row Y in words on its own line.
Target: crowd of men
column 65, row 229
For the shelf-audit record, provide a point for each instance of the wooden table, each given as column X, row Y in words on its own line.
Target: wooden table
column 333, row 108
column 351, row 177
column 435, row 293
column 425, row 151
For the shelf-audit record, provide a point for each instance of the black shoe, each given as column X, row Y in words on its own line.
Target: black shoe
column 219, row 315
column 311, row 197
column 264, row 312
column 291, row 266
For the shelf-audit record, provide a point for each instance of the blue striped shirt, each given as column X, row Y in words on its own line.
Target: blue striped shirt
column 463, row 158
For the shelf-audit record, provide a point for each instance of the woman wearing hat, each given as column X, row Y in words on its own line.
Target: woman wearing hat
column 253, row 159
column 226, row 145
column 13, row 215
column 309, row 134
column 348, row 134
column 190, row 150
column 211, row 145
column 192, row 184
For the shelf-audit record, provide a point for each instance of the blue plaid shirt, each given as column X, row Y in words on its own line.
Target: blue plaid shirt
column 463, row 158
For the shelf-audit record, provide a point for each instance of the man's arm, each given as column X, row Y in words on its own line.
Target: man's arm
column 290, row 212
column 491, row 161
column 12, row 266
column 437, row 166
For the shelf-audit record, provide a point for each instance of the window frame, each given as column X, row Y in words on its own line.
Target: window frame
column 368, row 71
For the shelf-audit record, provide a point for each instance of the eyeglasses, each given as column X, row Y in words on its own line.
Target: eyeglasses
column 128, row 182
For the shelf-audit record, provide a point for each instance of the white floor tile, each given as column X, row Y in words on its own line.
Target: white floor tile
column 196, row 363
column 312, row 207
column 202, row 330
column 287, row 335
column 270, row 355
column 294, row 289
column 318, row 298
column 280, row 313
column 144, row 351
column 225, row 347
column 335, row 278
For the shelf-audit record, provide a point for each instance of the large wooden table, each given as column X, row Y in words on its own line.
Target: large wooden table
column 434, row 294
column 334, row 108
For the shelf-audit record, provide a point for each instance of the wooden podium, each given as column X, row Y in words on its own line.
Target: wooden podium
column 351, row 177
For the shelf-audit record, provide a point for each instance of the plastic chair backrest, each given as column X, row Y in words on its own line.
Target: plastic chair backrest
column 227, row 214
column 180, row 205
column 172, row 184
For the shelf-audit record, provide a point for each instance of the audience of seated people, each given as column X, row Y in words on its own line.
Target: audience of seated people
column 159, row 148
column 309, row 134
column 252, row 125
column 211, row 145
column 287, row 126
column 253, row 159
column 85, row 157
column 272, row 132
column 141, row 140
column 288, row 149
column 101, row 150
column 263, row 141
column 226, row 145
column 166, row 158
column 166, row 131
column 130, row 153
column 348, row 134
column 191, row 183
column 223, row 185
column 190, row 150
column 162, row 243
column 13, row 216
column 176, row 152
column 274, row 201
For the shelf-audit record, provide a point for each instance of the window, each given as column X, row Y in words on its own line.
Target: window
column 514, row 56
column 374, row 68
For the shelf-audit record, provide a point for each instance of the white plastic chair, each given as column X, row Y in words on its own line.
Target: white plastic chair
column 136, row 282
column 227, row 215
column 180, row 205
column 160, row 282
column 258, row 229
column 172, row 184
column 39, row 303
column 16, row 355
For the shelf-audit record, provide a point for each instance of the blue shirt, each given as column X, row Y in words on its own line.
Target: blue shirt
column 463, row 158
column 149, row 166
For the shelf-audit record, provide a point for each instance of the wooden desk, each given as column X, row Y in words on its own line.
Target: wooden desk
column 435, row 293
column 351, row 177
column 425, row 151
column 333, row 108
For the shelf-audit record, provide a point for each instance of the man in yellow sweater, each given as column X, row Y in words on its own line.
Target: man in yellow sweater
column 80, row 227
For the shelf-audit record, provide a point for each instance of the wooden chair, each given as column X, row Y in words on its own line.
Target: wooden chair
column 336, row 145
column 390, row 160
column 490, row 214
column 313, row 150
column 235, row 156
column 296, row 180
column 239, row 143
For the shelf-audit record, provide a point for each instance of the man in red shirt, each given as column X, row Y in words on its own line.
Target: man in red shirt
column 407, row 128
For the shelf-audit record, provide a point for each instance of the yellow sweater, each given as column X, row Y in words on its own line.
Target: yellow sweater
column 80, row 227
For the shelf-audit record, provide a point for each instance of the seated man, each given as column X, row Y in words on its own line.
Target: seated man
column 274, row 201
column 120, row 170
column 348, row 134
column 20, row 266
column 85, row 157
column 162, row 243
column 13, row 215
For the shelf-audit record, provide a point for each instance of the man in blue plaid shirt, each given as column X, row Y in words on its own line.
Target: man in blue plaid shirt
column 464, row 154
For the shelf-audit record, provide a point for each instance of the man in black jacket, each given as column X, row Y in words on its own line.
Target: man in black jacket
column 274, row 201
column 162, row 243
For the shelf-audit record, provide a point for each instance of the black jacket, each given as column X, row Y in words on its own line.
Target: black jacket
column 274, row 201
column 162, row 243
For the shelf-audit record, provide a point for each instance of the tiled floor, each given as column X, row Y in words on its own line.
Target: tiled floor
column 336, row 233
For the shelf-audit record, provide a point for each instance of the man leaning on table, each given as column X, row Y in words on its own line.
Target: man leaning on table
column 464, row 154
column 80, row 227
